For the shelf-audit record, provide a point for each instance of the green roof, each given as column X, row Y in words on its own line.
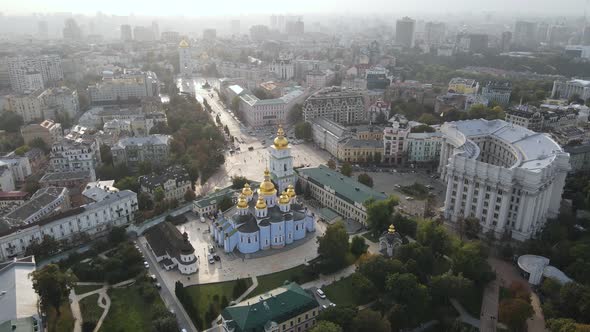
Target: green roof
column 278, row 305
column 328, row 214
column 345, row 187
column 213, row 197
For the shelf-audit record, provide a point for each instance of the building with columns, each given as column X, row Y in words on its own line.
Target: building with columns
column 508, row 177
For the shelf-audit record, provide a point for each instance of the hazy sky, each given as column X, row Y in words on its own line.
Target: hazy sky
column 238, row 7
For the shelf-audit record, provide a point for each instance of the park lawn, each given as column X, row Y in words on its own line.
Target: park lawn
column 340, row 292
column 65, row 323
column 89, row 308
column 271, row 281
column 205, row 295
column 129, row 311
column 82, row 289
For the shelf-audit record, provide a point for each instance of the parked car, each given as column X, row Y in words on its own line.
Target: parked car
column 202, row 219
column 210, row 259
column 250, row 148
column 153, row 277
column 146, row 265
column 158, row 286
column 216, row 257
column 211, row 248
column 320, row 293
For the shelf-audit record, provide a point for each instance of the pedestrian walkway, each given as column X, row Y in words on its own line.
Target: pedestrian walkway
column 464, row 315
column 326, row 279
column 104, row 301
column 249, row 290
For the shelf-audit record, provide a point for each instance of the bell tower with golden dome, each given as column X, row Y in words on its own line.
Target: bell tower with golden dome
column 281, row 161
column 185, row 60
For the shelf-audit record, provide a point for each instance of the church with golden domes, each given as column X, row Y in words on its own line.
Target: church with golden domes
column 269, row 216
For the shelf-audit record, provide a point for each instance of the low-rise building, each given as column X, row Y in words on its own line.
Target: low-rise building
column 171, row 248
column 63, row 100
column 131, row 151
column 92, row 219
column 463, row 86
column 174, row 182
column 6, row 178
column 579, row 157
column 422, row 93
column 44, row 203
column 74, row 155
column 98, row 190
column 497, row 92
column 265, row 112
column 29, row 106
column 542, row 119
column 125, row 87
column 340, row 193
column 19, row 304
column 361, row 151
column 10, row 200
column 423, row 148
column 208, row 205
column 287, row 308
column 75, row 181
column 49, row 131
column 329, row 135
column 394, row 138
column 18, row 165
column 344, row 106
column 568, row 89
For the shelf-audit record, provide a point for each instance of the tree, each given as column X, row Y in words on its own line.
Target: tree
column 381, row 118
column 32, row 185
column 53, row 286
column 128, row 183
column 470, row 260
column 189, row 195
column 362, row 288
column 325, row 326
column 422, row 129
column 117, row 235
column 235, row 104
column 238, row 182
column 358, row 246
column 145, row 167
column 331, row 164
column 47, row 247
column 377, row 268
column 303, row 131
column 428, row 119
column 365, row 179
column 377, row 157
column 144, row 201
column 514, row 313
column 379, row 214
column 342, row 316
column 435, row 236
column 346, row 169
column 333, row 246
column 225, row 203
column 10, row 121
column 159, row 194
column 447, row 285
column 370, row 321
column 405, row 288
column 21, row 150
column 39, row 143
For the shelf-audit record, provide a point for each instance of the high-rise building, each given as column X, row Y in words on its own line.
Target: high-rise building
column 259, row 32
column 404, row 32
column 557, row 35
column 143, row 33
column 586, row 36
column 274, row 22
column 235, row 27
column 72, row 31
column 126, row 34
column 42, row 29
column 505, row 41
column 525, row 33
column 23, row 72
column 185, row 59
column 434, row 33
column 209, row 34
column 542, row 33
column 156, row 30
column 296, row 28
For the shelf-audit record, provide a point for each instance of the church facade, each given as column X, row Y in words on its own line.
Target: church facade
column 266, row 218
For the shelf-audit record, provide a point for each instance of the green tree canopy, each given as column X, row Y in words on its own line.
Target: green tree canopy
column 346, row 168
column 379, row 214
column 325, row 326
column 370, row 321
column 333, row 246
column 365, row 179
column 53, row 286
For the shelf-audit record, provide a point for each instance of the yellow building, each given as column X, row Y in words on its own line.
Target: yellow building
column 360, row 151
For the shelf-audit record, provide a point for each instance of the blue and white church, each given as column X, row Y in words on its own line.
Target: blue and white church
column 266, row 218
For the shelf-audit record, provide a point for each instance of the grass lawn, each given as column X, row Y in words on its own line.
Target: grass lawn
column 416, row 190
column 206, row 295
column 271, row 281
column 340, row 292
column 129, row 311
column 82, row 289
column 369, row 236
column 89, row 308
column 65, row 323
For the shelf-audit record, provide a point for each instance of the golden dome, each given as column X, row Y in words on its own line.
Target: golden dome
column 284, row 198
column 267, row 187
column 291, row 191
column 242, row 202
column 260, row 204
column 183, row 44
column 391, row 229
column 281, row 141
column 247, row 191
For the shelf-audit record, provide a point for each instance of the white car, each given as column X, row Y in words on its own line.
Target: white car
column 211, row 259
column 320, row 293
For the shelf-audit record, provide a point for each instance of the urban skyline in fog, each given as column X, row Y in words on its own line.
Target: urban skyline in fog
column 234, row 7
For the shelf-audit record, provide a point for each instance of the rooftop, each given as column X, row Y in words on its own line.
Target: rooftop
column 277, row 306
column 152, row 181
column 332, row 127
column 40, row 200
column 166, row 239
column 20, row 299
column 58, row 176
column 147, row 140
column 343, row 186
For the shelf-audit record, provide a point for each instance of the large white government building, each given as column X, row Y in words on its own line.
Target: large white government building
column 508, row 177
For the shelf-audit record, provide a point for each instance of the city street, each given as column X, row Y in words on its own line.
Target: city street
column 167, row 291
column 243, row 162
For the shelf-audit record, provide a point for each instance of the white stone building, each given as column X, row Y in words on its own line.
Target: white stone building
column 123, row 87
column 91, row 219
column 423, row 147
column 44, row 203
column 174, row 182
column 284, row 69
column 507, row 177
column 565, row 90
column 6, row 178
column 269, row 111
column 74, row 155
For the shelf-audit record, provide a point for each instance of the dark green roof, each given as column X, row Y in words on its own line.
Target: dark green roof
column 278, row 305
column 345, row 187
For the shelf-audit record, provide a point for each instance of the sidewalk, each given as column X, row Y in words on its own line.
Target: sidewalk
column 326, row 279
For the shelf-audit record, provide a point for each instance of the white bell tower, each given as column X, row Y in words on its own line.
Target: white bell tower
column 281, row 162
